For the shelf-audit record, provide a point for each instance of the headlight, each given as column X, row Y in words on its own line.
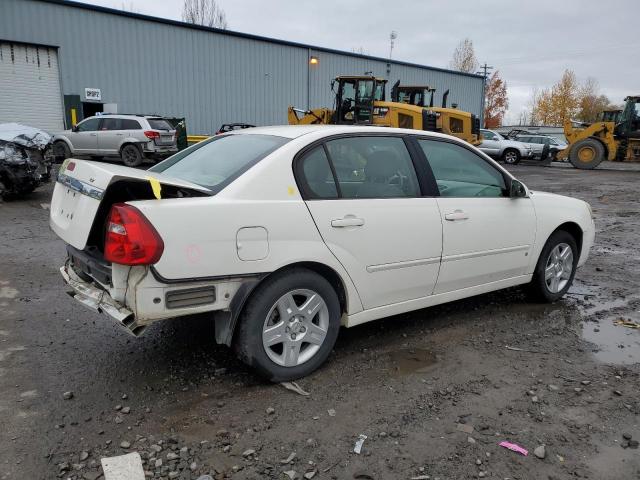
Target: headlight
column 12, row 155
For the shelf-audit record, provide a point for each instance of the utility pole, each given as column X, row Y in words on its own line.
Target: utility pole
column 392, row 37
column 484, row 71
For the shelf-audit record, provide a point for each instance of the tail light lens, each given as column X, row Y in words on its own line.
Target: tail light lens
column 130, row 238
column 151, row 134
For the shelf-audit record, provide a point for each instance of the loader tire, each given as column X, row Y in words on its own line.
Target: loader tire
column 586, row 154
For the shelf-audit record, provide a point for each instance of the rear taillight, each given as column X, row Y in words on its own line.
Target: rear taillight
column 151, row 134
column 130, row 238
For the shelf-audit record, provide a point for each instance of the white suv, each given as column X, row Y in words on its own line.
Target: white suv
column 130, row 137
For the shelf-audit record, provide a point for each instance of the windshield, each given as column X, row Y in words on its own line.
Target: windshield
column 215, row 163
column 365, row 90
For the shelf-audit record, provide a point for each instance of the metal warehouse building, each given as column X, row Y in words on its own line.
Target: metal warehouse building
column 57, row 56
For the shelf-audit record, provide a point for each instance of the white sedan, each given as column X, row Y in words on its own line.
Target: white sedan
column 284, row 234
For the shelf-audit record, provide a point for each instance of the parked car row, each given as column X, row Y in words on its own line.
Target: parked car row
column 519, row 145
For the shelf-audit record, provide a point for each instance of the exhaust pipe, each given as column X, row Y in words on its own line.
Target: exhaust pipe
column 445, row 96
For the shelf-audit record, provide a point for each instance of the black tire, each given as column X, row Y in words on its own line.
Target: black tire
column 539, row 289
column 587, row 154
column 61, row 151
column 511, row 156
column 248, row 342
column 131, row 155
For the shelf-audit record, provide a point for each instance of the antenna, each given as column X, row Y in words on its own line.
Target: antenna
column 392, row 36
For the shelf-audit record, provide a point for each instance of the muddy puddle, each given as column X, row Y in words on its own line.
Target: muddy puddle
column 616, row 344
column 411, row 360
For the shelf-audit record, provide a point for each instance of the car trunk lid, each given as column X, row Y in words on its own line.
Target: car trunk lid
column 82, row 193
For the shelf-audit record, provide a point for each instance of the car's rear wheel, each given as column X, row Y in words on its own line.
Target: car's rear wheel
column 556, row 268
column 511, row 156
column 131, row 155
column 61, row 151
column 289, row 325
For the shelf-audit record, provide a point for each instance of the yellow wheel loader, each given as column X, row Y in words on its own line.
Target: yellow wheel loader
column 617, row 138
column 360, row 100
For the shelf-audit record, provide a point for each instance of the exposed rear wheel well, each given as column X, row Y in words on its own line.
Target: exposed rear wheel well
column 324, row 271
column 238, row 305
column 575, row 231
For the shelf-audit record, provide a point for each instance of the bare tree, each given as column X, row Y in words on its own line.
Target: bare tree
column 464, row 57
column 128, row 7
column 204, row 12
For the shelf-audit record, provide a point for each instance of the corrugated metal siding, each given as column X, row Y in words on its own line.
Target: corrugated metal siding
column 30, row 86
column 209, row 78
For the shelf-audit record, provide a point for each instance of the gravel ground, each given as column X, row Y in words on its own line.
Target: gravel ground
column 435, row 391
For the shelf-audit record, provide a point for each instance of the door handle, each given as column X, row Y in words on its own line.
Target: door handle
column 119, row 134
column 347, row 221
column 456, row 215
column 93, row 134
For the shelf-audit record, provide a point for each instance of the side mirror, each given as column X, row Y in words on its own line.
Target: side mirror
column 74, row 128
column 517, row 189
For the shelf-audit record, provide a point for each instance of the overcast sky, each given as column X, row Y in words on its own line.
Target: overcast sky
column 531, row 43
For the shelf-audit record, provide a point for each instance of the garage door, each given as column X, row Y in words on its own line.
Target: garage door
column 30, row 86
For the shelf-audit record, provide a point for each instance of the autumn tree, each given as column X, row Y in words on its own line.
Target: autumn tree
column 559, row 103
column 204, row 12
column 592, row 103
column 567, row 100
column 495, row 101
column 464, row 57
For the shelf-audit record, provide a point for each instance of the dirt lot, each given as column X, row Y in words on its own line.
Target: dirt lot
column 434, row 391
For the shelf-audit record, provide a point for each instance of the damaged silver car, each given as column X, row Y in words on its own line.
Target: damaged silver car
column 25, row 159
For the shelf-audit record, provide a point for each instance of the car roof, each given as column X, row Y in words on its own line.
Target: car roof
column 295, row 131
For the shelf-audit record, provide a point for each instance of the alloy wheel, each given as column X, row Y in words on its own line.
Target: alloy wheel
column 559, row 267
column 295, row 328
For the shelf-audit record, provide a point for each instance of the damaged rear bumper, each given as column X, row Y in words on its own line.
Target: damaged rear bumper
column 100, row 301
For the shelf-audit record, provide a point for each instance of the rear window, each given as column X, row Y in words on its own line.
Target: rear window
column 159, row 124
column 215, row 163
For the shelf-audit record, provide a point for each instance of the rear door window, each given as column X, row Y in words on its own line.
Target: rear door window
column 373, row 167
column 111, row 124
column 129, row 124
column 217, row 162
column 316, row 173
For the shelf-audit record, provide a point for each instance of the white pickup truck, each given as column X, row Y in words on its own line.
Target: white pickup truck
column 509, row 151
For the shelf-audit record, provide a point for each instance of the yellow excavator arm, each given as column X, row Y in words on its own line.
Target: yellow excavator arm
column 319, row 116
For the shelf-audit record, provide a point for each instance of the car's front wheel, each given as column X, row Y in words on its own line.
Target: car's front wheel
column 289, row 325
column 511, row 156
column 556, row 267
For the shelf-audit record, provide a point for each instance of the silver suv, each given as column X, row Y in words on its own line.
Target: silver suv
column 510, row 151
column 130, row 137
